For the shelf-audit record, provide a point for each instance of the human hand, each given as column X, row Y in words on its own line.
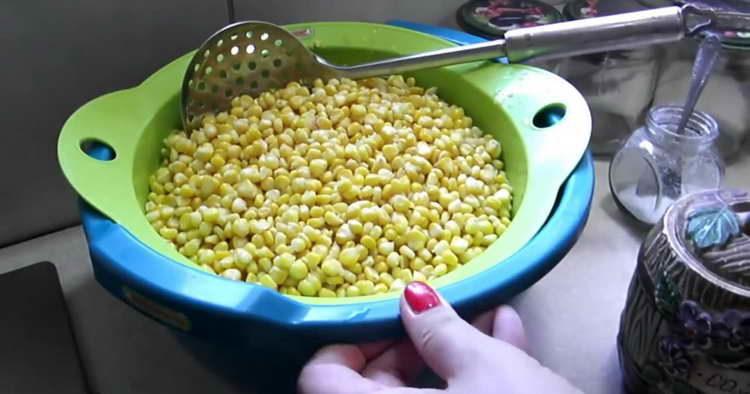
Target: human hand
column 487, row 357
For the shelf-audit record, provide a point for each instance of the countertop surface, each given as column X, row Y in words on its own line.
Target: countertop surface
column 571, row 315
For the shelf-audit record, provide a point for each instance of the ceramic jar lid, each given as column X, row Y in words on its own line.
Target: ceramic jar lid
column 492, row 18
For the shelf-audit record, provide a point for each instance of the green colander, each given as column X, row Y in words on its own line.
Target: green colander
column 542, row 122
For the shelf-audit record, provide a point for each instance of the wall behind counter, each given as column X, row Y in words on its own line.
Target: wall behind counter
column 57, row 55
column 60, row 54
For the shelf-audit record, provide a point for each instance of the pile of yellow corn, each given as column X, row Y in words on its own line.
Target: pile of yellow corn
column 347, row 188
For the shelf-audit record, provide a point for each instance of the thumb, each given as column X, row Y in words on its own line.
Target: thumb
column 447, row 343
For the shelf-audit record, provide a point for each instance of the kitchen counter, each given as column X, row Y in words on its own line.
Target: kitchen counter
column 572, row 314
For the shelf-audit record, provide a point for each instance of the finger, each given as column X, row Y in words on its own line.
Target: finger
column 446, row 343
column 375, row 349
column 484, row 322
column 349, row 356
column 508, row 327
column 335, row 370
column 397, row 366
column 410, row 390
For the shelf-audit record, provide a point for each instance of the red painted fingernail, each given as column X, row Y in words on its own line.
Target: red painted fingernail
column 421, row 297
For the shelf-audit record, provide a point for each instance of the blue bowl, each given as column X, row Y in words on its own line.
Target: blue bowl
column 190, row 300
column 254, row 318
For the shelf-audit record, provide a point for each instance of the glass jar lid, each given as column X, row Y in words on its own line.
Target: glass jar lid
column 655, row 3
column 582, row 9
column 492, row 18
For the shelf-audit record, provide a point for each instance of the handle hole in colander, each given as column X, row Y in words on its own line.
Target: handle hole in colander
column 98, row 149
column 549, row 116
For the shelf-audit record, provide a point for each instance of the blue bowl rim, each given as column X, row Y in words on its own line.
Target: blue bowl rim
column 183, row 287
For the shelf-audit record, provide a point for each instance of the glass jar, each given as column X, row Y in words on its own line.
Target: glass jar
column 726, row 95
column 657, row 165
column 618, row 85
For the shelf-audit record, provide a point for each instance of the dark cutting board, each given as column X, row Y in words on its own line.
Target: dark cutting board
column 38, row 353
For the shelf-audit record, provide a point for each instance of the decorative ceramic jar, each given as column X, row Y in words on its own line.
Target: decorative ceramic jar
column 685, row 328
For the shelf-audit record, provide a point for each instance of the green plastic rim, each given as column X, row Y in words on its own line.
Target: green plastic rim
column 503, row 100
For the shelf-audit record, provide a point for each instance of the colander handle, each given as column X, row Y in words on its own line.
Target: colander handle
column 96, row 149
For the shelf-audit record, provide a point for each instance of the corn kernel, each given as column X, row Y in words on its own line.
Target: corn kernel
column 298, row 270
column 306, row 288
column 366, row 287
column 284, row 261
column 349, row 257
column 191, row 247
column 352, row 291
column 459, row 245
column 326, row 293
column 267, row 281
column 168, row 233
column 416, row 239
column 232, row 273
column 278, row 275
column 332, row 267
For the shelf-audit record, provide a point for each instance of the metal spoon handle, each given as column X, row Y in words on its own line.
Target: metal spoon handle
column 623, row 31
column 708, row 52
column 439, row 58
column 594, row 35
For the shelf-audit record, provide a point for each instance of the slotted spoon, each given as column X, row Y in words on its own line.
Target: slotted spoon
column 252, row 57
